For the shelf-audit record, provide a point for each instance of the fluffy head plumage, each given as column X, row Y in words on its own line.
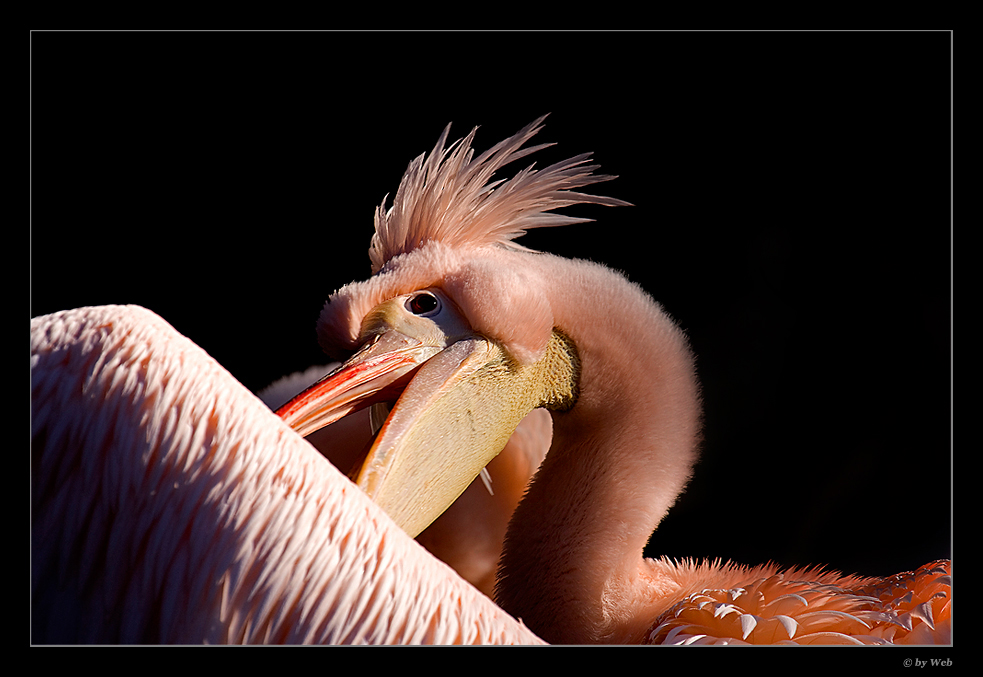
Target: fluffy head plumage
column 449, row 197
column 449, row 218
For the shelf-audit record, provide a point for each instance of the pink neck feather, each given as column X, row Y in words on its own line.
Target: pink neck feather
column 618, row 461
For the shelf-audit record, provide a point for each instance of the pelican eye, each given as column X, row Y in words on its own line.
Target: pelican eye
column 423, row 303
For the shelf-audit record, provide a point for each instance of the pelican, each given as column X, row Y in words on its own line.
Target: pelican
column 169, row 505
column 496, row 331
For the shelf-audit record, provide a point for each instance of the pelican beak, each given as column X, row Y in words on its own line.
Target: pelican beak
column 458, row 407
column 377, row 372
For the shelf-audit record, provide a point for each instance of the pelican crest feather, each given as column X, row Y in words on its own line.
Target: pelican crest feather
column 450, row 197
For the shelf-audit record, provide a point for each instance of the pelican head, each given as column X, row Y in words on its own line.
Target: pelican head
column 451, row 341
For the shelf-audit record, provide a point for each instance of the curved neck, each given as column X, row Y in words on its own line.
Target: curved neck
column 573, row 568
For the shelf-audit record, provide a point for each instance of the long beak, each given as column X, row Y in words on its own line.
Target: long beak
column 456, row 413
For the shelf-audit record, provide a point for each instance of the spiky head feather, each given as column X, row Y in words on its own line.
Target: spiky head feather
column 449, row 219
column 450, row 197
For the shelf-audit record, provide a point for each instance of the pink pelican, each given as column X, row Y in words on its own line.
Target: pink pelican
column 169, row 505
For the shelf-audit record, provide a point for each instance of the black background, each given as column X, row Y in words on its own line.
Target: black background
column 792, row 211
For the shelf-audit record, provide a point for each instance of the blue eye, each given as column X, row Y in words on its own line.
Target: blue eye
column 423, row 303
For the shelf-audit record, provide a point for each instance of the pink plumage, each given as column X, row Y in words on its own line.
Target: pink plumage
column 170, row 506
column 449, row 196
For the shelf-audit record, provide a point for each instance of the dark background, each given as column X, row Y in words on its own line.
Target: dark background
column 792, row 211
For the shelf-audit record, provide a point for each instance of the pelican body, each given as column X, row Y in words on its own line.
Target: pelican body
column 190, row 513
